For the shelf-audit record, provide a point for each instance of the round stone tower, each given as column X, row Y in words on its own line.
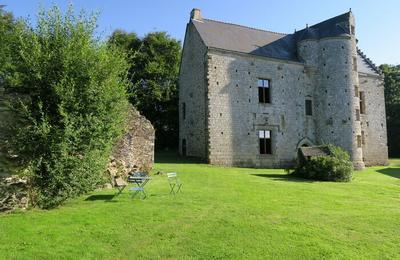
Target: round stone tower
column 334, row 55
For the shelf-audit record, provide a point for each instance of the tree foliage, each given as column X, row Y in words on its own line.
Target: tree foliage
column 7, row 38
column 73, row 107
column 154, row 68
column 392, row 103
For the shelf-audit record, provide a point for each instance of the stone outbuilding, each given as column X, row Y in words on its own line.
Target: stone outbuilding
column 251, row 97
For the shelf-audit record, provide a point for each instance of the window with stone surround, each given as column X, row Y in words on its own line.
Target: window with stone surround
column 309, row 109
column 264, row 86
column 359, row 142
column 357, row 114
column 356, row 92
column 352, row 30
column 362, row 102
column 355, row 63
column 362, row 138
column 265, row 141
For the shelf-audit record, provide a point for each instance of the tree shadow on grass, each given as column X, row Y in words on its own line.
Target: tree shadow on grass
column 103, row 197
column 281, row 177
column 392, row 172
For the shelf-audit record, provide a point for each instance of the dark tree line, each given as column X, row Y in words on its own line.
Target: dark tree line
column 392, row 102
column 154, row 67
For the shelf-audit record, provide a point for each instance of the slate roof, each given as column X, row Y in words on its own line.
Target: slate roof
column 314, row 151
column 365, row 65
column 238, row 38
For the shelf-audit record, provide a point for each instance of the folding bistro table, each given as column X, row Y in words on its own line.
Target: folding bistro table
column 140, row 179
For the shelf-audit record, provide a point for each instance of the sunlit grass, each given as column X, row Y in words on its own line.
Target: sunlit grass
column 233, row 213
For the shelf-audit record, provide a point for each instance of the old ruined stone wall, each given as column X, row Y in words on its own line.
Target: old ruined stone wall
column 192, row 93
column 14, row 193
column 135, row 150
column 236, row 116
column 373, row 121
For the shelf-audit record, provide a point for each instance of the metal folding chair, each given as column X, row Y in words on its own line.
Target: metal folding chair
column 120, row 184
column 174, row 183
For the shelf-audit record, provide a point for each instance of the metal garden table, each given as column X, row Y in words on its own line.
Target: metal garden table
column 140, row 181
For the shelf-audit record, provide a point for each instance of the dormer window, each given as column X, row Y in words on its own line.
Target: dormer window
column 352, row 30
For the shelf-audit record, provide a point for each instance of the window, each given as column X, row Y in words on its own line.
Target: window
column 357, row 114
column 356, row 91
column 264, row 91
column 308, row 107
column 355, row 63
column 265, row 141
column 184, row 110
column 352, row 30
column 362, row 137
column 359, row 141
column 362, row 102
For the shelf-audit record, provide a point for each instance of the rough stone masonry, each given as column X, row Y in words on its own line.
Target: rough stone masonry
column 250, row 97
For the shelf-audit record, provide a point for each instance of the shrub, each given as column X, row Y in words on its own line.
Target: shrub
column 74, row 105
column 335, row 167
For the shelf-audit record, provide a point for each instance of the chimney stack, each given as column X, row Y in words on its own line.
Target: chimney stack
column 195, row 14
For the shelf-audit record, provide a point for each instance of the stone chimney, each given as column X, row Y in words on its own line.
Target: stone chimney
column 195, row 14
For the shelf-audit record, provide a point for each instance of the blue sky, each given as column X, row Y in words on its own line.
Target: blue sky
column 377, row 21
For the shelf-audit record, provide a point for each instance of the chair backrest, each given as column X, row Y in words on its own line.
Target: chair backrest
column 120, row 182
column 172, row 175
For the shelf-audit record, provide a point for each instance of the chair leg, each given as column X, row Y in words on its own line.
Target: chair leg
column 172, row 186
column 134, row 194
column 179, row 188
column 144, row 194
column 120, row 190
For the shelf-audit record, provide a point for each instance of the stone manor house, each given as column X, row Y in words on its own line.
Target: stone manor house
column 250, row 97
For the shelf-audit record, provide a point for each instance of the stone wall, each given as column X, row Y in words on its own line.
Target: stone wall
column 192, row 93
column 135, row 150
column 373, row 121
column 236, row 116
column 13, row 193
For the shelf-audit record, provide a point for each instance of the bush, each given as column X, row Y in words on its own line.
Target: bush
column 73, row 107
column 335, row 167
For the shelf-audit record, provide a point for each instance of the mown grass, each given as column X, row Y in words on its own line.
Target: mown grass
column 232, row 213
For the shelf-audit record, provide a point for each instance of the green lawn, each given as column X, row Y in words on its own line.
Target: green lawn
column 221, row 213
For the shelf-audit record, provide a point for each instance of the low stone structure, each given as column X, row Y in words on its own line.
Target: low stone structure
column 13, row 193
column 135, row 150
column 306, row 153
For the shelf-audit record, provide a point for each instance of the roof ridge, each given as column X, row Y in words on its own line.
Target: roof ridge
column 248, row 27
column 368, row 61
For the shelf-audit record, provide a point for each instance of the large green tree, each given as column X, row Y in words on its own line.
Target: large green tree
column 154, row 68
column 392, row 102
column 7, row 37
column 73, row 103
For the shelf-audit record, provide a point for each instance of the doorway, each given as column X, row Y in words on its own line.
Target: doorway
column 183, row 147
